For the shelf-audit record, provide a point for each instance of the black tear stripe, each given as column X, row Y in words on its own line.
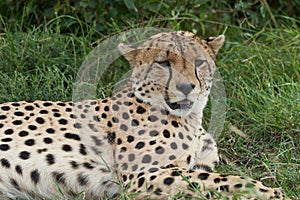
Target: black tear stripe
column 167, row 99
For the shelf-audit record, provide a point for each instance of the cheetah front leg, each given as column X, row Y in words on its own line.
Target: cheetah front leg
column 206, row 154
column 180, row 183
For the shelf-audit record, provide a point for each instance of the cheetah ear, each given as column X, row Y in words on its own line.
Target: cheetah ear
column 216, row 43
column 128, row 52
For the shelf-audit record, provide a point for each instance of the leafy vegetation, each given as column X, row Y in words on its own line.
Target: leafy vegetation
column 43, row 43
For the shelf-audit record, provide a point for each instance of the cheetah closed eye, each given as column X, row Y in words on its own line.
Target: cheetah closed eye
column 148, row 136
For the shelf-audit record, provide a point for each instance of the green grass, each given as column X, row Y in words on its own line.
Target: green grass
column 260, row 67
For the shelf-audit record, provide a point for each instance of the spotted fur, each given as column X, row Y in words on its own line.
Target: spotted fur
column 147, row 137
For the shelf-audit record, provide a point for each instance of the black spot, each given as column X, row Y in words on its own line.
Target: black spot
column 29, row 142
column 146, row 159
column 19, row 169
column 134, row 122
column 125, row 115
column 119, row 141
column 224, row 179
column 18, row 113
column 141, row 132
column 131, row 157
column 134, row 167
column 115, row 107
column 32, row 127
column 88, row 165
column 109, row 124
column 5, row 163
column 106, row 108
column 130, row 138
column 82, row 179
column 203, row 176
column 153, row 142
column 175, row 124
column 180, row 135
column 35, row 176
column 82, row 150
column 4, row 147
column 239, row 185
column 263, row 190
column 175, row 173
column 111, row 137
column 72, row 136
column 77, row 125
column 124, row 127
column 8, row 131
column 168, row 181
column 15, row 184
column 58, row 115
column 152, row 118
column 29, row 107
column 104, row 115
column 172, row 157
column 166, row 133
column 23, row 133
column 44, row 112
column 17, row 122
column 50, row 130
column 24, row 155
column 6, row 139
column 164, row 122
column 141, row 181
column 74, row 164
column 115, row 120
column 184, row 146
column 159, row 150
column 153, row 133
column 224, row 188
column 173, row 145
column 152, row 177
column 217, row 180
column 140, row 110
column 40, row 120
column 66, row 147
column 140, row 145
column 46, row 104
column 188, row 159
column 62, row 121
column 50, row 159
column 5, row 108
column 2, row 117
column 48, row 140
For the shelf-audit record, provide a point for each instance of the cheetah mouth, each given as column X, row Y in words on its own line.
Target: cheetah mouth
column 183, row 104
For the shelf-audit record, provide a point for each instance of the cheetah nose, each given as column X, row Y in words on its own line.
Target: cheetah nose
column 185, row 88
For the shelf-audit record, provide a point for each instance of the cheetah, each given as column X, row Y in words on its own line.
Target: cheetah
column 146, row 138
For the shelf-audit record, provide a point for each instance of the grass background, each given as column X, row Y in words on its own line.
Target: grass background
column 42, row 45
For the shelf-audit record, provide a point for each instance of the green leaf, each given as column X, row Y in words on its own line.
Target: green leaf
column 130, row 5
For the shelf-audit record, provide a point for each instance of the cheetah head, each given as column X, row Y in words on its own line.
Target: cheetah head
column 173, row 70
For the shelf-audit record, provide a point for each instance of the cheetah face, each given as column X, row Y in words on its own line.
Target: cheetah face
column 173, row 70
